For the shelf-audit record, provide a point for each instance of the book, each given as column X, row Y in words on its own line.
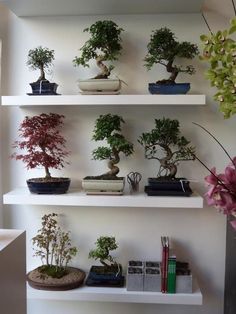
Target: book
column 164, row 263
column 171, row 274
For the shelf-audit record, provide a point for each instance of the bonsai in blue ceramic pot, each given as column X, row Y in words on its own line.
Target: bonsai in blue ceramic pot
column 163, row 49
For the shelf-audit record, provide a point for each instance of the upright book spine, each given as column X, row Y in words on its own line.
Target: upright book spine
column 171, row 277
column 164, row 263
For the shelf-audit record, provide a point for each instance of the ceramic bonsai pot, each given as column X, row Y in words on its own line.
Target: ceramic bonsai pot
column 98, row 86
column 101, row 276
column 73, row 279
column 44, row 88
column 53, row 186
column 169, row 187
column 99, row 186
column 169, row 89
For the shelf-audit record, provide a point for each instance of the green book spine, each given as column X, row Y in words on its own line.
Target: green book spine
column 171, row 275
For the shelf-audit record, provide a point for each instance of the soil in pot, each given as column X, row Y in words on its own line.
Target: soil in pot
column 48, row 186
column 73, row 278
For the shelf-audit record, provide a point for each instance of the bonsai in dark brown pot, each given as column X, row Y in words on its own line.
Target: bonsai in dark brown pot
column 45, row 147
column 55, row 251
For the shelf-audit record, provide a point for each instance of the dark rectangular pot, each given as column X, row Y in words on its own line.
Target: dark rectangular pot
column 44, row 88
column 98, row 276
column 47, row 187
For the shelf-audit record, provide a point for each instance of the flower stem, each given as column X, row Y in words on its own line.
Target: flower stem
column 217, row 142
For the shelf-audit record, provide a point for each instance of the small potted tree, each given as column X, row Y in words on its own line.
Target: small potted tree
column 41, row 58
column 165, row 144
column 108, row 128
column 54, row 248
column 45, row 147
column 163, row 49
column 110, row 273
column 104, row 45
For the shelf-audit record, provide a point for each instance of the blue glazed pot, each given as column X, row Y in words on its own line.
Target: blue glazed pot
column 169, row 89
column 47, row 187
column 43, row 88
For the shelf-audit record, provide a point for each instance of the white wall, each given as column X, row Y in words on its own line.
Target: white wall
column 198, row 234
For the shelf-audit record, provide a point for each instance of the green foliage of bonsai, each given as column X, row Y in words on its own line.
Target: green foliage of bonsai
column 220, row 53
column 102, row 251
column 53, row 247
column 108, row 127
column 165, row 144
column 103, row 45
column 40, row 58
column 163, row 49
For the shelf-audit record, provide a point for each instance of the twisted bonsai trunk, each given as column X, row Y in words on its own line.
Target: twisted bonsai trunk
column 166, row 164
column 42, row 74
column 105, row 73
column 114, row 170
column 174, row 72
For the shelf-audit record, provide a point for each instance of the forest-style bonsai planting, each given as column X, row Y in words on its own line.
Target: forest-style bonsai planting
column 103, row 46
column 45, row 147
column 110, row 273
column 164, row 49
column 53, row 247
column 108, row 128
column 41, row 59
column 165, row 144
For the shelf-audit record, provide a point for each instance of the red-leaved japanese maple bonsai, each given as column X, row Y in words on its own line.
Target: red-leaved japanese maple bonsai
column 45, row 147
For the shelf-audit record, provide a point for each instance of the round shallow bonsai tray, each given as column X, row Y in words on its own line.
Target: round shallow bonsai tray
column 73, row 279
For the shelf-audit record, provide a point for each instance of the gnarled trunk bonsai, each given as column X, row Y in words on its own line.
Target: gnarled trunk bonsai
column 164, row 49
column 103, row 45
column 108, row 127
column 173, row 147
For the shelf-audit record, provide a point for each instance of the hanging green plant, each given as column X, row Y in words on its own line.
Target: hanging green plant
column 220, row 52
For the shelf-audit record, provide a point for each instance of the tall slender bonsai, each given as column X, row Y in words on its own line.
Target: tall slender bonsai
column 44, row 144
column 40, row 58
column 53, row 247
column 108, row 127
column 163, row 49
column 165, row 144
column 103, row 45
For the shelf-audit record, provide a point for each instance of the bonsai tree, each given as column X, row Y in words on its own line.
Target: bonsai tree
column 163, row 49
column 108, row 127
column 104, row 44
column 219, row 52
column 40, row 58
column 102, row 252
column 54, row 247
column 44, row 144
column 165, row 144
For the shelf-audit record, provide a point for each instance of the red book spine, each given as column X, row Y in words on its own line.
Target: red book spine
column 164, row 264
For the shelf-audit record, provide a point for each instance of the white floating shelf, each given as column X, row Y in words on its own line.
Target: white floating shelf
column 22, row 196
column 116, row 295
column 93, row 100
